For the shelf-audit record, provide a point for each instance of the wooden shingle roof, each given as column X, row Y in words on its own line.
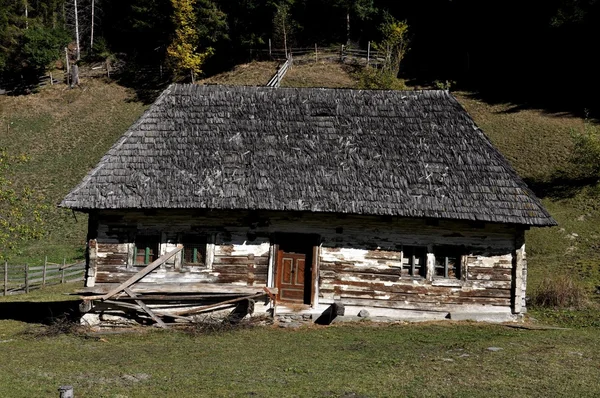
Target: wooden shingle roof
column 411, row 153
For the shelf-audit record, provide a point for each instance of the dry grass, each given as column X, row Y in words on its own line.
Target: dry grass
column 560, row 291
column 321, row 74
column 252, row 74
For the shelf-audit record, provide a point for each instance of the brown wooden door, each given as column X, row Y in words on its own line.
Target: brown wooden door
column 290, row 276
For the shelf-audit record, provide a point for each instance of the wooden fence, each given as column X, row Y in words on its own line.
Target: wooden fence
column 17, row 279
column 316, row 53
column 278, row 77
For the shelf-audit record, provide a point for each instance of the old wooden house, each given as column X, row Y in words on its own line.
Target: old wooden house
column 389, row 201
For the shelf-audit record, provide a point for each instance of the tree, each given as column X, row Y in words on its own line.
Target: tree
column 361, row 10
column 41, row 46
column 394, row 43
column 283, row 25
column 20, row 210
column 182, row 52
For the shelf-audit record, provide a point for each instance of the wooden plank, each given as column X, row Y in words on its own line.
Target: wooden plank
column 144, row 307
column 151, row 267
column 208, row 307
column 149, row 288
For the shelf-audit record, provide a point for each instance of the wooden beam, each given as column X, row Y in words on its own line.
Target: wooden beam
column 149, row 268
column 167, row 288
column 208, row 307
column 145, row 308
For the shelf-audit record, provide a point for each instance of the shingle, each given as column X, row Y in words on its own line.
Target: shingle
column 346, row 151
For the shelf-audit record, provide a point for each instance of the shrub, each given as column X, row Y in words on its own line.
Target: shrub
column 586, row 151
column 561, row 291
column 372, row 79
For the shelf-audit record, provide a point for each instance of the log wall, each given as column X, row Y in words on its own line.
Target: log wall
column 360, row 259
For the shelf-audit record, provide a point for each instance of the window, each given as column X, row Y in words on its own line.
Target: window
column 194, row 250
column 448, row 262
column 414, row 261
column 146, row 249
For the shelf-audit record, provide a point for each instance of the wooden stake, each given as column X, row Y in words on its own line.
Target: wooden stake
column 5, row 278
column 62, row 276
column 44, row 271
column 26, row 278
column 316, row 58
column 68, row 69
column 368, row 52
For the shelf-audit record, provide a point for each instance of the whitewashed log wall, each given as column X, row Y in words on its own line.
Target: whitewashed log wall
column 359, row 261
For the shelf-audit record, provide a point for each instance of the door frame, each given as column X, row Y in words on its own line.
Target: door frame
column 309, row 244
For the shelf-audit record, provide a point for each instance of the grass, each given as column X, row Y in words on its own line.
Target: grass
column 252, row 74
column 321, row 74
column 64, row 132
column 419, row 360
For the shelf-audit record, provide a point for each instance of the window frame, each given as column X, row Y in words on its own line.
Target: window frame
column 414, row 271
column 442, row 254
column 199, row 246
column 149, row 241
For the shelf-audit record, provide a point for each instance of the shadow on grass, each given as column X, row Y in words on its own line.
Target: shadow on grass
column 147, row 83
column 560, row 185
column 39, row 312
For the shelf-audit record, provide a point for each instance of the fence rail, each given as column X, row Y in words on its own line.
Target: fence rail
column 278, row 77
column 18, row 279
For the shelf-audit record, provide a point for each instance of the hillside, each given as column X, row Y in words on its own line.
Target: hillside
column 65, row 132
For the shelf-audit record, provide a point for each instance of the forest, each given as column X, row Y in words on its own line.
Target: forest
column 536, row 52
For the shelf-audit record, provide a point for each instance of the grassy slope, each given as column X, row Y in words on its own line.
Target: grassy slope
column 537, row 144
column 64, row 132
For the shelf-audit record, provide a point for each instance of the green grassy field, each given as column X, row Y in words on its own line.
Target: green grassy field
column 357, row 360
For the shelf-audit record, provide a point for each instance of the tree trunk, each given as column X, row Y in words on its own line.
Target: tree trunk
column 348, row 27
column 92, row 29
column 77, row 49
column 26, row 16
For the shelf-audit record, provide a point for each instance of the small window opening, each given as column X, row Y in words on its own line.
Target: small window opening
column 194, row 250
column 448, row 262
column 414, row 261
column 146, row 249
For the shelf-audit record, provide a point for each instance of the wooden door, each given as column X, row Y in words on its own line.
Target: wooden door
column 290, row 276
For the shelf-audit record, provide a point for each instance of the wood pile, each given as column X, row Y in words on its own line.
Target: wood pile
column 163, row 307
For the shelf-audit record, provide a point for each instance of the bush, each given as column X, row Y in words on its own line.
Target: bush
column 586, row 151
column 562, row 291
column 373, row 79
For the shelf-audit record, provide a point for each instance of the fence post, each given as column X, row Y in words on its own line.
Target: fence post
column 368, row 52
column 316, row 58
column 62, row 276
column 68, row 70
column 26, row 278
column 6, row 278
column 342, row 53
column 44, row 271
